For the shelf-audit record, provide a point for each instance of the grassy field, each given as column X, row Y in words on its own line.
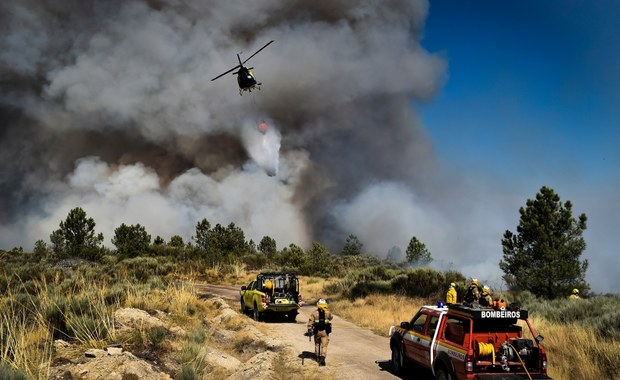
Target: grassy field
column 582, row 339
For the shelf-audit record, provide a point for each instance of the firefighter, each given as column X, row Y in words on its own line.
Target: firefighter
column 269, row 288
column 451, row 294
column 320, row 326
column 574, row 295
column 485, row 297
column 473, row 293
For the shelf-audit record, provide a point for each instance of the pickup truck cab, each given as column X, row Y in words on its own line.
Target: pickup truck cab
column 459, row 342
column 272, row 293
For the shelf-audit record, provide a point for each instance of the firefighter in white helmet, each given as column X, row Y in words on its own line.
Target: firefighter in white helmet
column 319, row 325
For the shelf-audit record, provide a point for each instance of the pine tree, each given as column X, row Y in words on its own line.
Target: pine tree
column 543, row 257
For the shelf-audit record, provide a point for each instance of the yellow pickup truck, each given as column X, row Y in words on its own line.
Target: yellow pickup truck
column 272, row 293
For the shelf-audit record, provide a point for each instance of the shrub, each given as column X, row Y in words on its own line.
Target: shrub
column 366, row 288
column 156, row 335
column 55, row 316
column 115, row 295
column 87, row 329
column 608, row 326
column 187, row 373
column 421, row 282
column 9, row 373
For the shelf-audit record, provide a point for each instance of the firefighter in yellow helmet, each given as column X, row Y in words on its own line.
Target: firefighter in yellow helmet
column 269, row 288
column 473, row 293
column 451, row 294
column 485, row 297
column 574, row 295
column 319, row 325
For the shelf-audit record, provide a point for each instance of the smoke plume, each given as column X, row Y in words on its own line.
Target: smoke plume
column 109, row 106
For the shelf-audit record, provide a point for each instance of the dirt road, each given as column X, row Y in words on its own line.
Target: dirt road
column 354, row 352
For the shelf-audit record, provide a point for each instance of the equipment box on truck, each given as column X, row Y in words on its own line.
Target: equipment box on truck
column 458, row 342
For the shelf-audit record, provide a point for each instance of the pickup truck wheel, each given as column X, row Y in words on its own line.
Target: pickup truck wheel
column 292, row 317
column 255, row 313
column 443, row 374
column 244, row 309
column 397, row 359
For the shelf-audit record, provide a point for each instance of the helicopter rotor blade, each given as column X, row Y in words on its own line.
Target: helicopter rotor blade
column 258, row 51
column 221, row 75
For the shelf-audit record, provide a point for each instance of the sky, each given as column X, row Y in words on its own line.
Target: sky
column 533, row 98
column 387, row 120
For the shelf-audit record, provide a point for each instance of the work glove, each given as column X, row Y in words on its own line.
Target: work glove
column 308, row 333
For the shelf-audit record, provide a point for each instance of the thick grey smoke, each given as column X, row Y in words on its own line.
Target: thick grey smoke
column 110, row 106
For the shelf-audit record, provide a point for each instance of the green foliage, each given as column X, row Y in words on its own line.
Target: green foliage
column 352, row 247
column 319, row 261
column 365, row 288
column 293, row 256
column 9, row 373
column 395, row 255
column 420, row 282
column 255, row 261
column 417, row 254
column 40, row 248
column 267, row 245
column 76, row 237
column 176, row 241
column 86, row 328
column 156, row 335
column 131, row 241
column 600, row 313
column 454, row 276
column 343, row 265
column 543, row 257
column 202, row 234
column 187, row 373
column 115, row 295
column 229, row 240
column 143, row 268
column 56, row 319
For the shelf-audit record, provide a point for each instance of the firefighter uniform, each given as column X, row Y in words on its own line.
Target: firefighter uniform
column 574, row 295
column 473, row 293
column 451, row 294
column 319, row 325
column 485, row 297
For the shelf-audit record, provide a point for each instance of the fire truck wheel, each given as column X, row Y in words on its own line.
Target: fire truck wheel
column 397, row 359
column 443, row 374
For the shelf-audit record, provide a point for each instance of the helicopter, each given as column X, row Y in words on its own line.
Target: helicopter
column 245, row 76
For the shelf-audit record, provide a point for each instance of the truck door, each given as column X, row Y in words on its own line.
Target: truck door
column 418, row 341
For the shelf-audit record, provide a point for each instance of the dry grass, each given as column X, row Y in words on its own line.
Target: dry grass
column 574, row 352
column 377, row 312
column 24, row 346
column 312, row 288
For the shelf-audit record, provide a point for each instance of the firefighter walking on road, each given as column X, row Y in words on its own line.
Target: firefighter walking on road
column 320, row 326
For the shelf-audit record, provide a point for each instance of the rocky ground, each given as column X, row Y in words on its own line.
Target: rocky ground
column 235, row 348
